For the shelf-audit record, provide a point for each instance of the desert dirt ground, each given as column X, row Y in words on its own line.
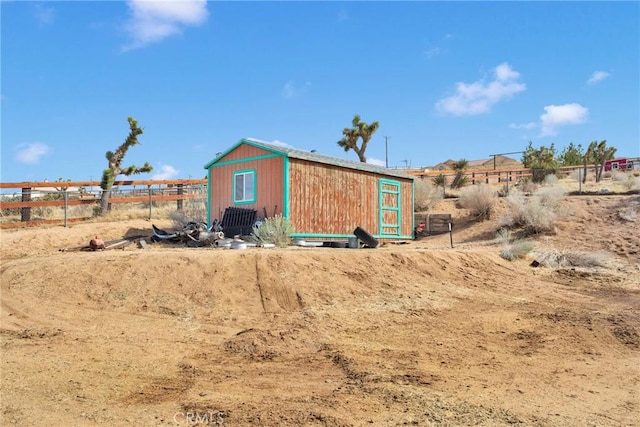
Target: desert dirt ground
column 416, row 334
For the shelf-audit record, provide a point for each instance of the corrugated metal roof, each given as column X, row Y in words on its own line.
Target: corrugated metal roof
column 315, row 157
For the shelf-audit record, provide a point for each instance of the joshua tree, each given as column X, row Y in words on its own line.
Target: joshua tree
column 359, row 130
column 599, row 153
column 460, row 168
column 115, row 164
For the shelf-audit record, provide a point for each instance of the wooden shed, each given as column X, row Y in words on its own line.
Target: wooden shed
column 324, row 197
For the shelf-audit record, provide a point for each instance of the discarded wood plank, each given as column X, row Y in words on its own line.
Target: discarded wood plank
column 143, row 244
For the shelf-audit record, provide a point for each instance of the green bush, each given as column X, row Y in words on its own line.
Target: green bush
column 276, row 230
column 513, row 249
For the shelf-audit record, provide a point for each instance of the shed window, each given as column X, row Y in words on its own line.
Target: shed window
column 244, row 186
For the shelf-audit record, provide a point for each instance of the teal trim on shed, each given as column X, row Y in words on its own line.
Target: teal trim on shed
column 246, row 159
column 382, row 208
column 255, row 186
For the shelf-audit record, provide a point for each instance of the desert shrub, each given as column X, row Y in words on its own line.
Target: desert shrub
column 426, row 195
column 550, row 179
column 564, row 258
column 632, row 183
column 276, row 230
column 526, row 185
column 512, row 249
column 534, row 214
column 619, row 176
column 479, row 199
column 439, row 180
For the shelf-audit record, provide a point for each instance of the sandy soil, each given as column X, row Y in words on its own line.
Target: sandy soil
column 416, row 334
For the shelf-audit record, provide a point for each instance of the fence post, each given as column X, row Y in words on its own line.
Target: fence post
column 180, row 193
column 25, row 213
column 580, row 181
column 508, row 179
column 66, row 205
column 150, row 202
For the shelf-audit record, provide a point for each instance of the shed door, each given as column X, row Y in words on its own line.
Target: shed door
column 389, row 207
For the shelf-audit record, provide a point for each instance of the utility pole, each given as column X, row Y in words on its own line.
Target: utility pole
column 386, row 152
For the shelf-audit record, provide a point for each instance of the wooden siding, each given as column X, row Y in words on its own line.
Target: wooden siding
column 269, row 186
column 331, row 200
column 244, row 151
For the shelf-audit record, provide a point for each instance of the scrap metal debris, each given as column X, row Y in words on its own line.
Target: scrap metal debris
column 99, row 244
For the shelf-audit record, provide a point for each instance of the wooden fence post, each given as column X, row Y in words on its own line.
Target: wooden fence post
column 25, row 213
column 180, row 193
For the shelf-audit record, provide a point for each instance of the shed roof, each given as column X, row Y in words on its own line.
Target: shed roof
column 313, row 157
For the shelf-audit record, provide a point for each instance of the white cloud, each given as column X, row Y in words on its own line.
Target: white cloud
column 153, row 21
column 166, row 172
column 274, row 142
column 478, row 97
column 526, row 126
column 562, row 115
column 31, row 153
column 45, row 15
column 377, row 162
column 291, row 90
column 597, row 77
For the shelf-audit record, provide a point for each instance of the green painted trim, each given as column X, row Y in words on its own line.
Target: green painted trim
column 236, row 145
column 381, row 208
column 255, row 187
column 208, row 197
column 245, row 159
column 345, row 236
column 287, row 187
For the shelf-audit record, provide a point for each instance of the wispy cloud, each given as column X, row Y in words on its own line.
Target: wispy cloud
column 291, row 90
column 434, row 49
column 274, row 142
column 525, row 126
column 45, row 15
column 556, row 116
column 374, row 161
column 480, row 96
column 166, row 172
column 153, row 21
column 597, row 77
column 30, row 153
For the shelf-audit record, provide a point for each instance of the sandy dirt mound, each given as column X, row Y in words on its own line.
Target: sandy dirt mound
column 415, row 334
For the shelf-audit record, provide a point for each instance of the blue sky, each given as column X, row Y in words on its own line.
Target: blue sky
column 445, row 80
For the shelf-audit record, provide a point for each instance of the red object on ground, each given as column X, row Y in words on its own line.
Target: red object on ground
column 96, row 243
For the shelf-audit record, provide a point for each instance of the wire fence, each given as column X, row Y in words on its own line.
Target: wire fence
column 26, row 204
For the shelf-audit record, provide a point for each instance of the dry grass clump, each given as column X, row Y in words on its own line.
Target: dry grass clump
column 535, row 214
column 426, row 195
column 479, row 199
column 631, row 212
column 563, row 258
column 276, row 230
column 632, row 183
column 513, row 249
